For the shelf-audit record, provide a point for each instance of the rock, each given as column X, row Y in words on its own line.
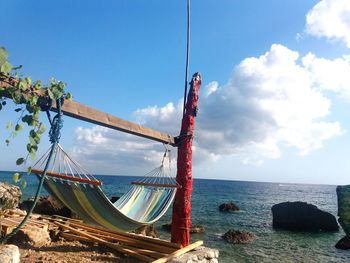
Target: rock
column 343, row 243
column 9, row 254
column 10, row 196
column 32, row 237
column 343, row 194
column 238, row 237
column 194, row 229
column 149, row 231
column 198, row 255
column 114, row 199
column 47, row 205
column 302, row 216
column 228, row 207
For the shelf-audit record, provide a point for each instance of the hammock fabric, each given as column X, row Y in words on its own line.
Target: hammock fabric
column 145, row 202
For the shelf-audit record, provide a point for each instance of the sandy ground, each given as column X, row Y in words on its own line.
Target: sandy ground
column 64, row 251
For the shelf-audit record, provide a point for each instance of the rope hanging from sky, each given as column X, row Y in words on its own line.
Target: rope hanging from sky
column 187, row 53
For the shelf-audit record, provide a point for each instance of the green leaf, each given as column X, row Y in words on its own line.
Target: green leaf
column 0, row 106
column 14, row 134
column 19, row 127
column 56, row 91
column 6, row 67
column 7, row 141
column 41, row 128
column 29, row 170
column 3, row 56
column 37, row 84
column 23, row 85
column 17, row 177
column 29, row 81
column 24, row 184
column 20, row 161
column 69, row 96
column 3, row 103
column 32, row 155
column 18, row 109
column 8, row 125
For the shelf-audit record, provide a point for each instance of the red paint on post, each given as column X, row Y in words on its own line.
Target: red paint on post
column 181, row 221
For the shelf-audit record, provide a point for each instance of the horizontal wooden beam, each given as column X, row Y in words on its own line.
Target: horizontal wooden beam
column 85, row 113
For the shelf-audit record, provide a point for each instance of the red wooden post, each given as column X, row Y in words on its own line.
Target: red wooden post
column 181, row 221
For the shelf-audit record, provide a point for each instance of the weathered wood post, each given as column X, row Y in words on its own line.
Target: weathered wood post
column 181, row 220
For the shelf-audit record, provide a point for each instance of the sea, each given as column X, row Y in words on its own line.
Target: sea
column 255, row 200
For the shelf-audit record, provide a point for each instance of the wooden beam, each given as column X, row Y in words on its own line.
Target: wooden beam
column 179, row 252
column 85, row 113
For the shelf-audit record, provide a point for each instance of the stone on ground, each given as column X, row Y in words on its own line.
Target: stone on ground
column 9, row 254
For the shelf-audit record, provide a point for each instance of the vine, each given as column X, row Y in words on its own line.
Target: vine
column 30, row 99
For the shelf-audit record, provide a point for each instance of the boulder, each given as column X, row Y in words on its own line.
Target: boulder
column 149, row 231
column 228, row 207
column 343, row 243
column 194, row 229
column 238, row 237
column 302, row 216
column 10, row 196
column 47, row 205
column 31, row 237
column 9, row 254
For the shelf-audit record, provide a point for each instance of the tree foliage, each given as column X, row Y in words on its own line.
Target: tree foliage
column 30, row 99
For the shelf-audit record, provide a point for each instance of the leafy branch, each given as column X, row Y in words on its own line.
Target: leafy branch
column 32, row 99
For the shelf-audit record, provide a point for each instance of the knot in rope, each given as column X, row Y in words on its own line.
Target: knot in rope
column 56, row 124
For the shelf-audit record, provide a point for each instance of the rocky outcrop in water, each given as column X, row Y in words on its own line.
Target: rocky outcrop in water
column 10, row 196
column 302, row 216
column 343, row 243
column 228, row 207
column 238, row 237
column 47, row 205
column 194, row 229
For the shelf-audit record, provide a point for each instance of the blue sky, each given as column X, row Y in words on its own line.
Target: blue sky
column 275, row 96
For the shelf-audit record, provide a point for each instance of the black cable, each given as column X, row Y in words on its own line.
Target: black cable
column 187, row 54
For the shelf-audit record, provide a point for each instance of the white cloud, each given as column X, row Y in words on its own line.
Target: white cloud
column 330, row 19
column 269, row 103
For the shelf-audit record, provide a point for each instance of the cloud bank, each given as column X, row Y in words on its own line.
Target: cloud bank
column 330, row 19
column 270, row 102
column 279, row 100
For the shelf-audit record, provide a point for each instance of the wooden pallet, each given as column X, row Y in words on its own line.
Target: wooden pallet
column 143, row 248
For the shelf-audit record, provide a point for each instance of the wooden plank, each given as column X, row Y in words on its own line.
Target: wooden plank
column 129, row 235
column 85, row 113
column 179, row 252
column 106, row 243
column 67, row 177
column 127, row 240
column 146, row 252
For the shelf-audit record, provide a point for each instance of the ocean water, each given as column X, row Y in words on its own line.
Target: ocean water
column 255, row 200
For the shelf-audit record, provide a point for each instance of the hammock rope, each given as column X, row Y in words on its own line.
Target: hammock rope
column 144, row 203
column 54, row 134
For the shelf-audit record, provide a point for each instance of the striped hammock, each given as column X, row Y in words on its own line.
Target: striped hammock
column 146, row 201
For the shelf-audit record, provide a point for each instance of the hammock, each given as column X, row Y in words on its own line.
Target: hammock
column 146, row 201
